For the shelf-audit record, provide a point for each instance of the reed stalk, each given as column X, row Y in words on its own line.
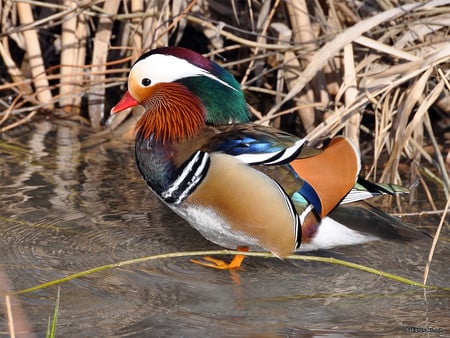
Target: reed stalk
column 303, row 34
column 34, row 56
column 102, row 38
column 73, row 58
column 14, row 72
column 137, row 6
column 350, row 86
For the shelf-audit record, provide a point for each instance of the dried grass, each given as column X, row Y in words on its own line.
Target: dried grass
column 378, row 73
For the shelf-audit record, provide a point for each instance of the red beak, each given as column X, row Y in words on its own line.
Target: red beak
column 125, row 102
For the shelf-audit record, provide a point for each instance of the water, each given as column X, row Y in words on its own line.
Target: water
column 68, row 203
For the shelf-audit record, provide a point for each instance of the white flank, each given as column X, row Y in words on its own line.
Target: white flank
column 332, row 234
column 214, row 228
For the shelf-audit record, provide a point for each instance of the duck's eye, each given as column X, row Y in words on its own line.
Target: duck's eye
column 146, row 82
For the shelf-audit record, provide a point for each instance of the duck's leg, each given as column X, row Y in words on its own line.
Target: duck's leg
column 220, row 264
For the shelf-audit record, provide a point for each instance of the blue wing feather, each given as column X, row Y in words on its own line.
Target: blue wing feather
column 257, row 145
column 247, row 145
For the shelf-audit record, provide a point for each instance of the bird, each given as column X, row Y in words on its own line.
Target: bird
column 243, row 185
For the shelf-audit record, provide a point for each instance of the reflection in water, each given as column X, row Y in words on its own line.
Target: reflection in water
column 67, row 206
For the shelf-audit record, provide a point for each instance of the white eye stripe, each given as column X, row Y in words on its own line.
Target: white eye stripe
column 159, row 68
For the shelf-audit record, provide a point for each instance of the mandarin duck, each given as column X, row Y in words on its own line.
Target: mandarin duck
column 243, row 185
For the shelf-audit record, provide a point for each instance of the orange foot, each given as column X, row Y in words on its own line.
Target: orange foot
column 211, row 262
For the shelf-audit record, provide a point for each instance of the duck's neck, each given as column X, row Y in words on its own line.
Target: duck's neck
column 224, row 101
column 154, row 161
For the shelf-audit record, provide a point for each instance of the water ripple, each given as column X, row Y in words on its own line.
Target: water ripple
column 66, row 208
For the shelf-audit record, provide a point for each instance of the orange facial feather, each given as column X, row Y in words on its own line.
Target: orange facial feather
column 172, row 113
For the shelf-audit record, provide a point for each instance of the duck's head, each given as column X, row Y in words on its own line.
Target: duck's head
column 181, row 91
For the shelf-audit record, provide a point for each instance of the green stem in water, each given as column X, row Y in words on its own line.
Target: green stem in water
column 329, row 260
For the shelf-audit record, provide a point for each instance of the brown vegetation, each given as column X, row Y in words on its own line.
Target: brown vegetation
column 378, row 72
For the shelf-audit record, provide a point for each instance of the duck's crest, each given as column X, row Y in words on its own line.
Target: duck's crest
column 188, row 55
column 217, row 88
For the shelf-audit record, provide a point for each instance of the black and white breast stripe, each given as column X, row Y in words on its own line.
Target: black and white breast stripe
column 190, row 176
